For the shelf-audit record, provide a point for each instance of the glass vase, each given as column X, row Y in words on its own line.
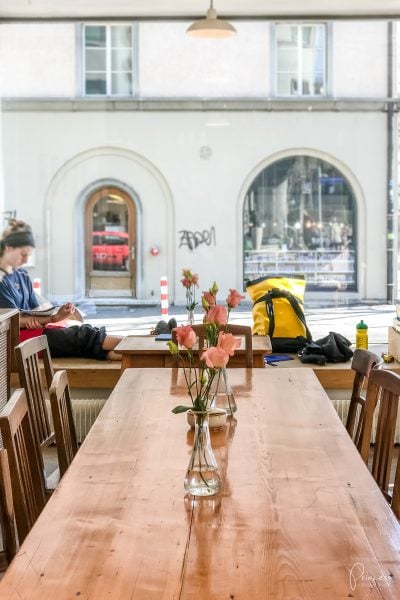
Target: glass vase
column 202, row 477
column 190, row 316
column 221, row 392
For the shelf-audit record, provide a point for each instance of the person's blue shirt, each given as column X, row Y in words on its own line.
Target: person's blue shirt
column 16, row 290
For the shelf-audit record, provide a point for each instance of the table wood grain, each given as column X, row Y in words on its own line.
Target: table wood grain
column 299, row 516
column 145, row 351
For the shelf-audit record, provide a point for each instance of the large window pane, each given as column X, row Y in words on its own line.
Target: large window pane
column 108, row 60
column 300, row 49
column 299, row 217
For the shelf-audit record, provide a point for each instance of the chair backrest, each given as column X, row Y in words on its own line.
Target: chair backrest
column 362, row 363
column 64, row 426
column 27, row 476
column 383, row 386
column 7, row 516
column 242, row 330
column 27, row 356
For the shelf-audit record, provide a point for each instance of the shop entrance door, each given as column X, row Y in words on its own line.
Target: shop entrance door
column 110, row 229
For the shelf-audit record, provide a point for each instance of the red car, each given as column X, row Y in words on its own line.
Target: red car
column 110, row 250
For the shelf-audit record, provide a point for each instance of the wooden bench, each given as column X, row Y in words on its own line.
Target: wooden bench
column 85, row 373
column 91, row 374
column 337, row 375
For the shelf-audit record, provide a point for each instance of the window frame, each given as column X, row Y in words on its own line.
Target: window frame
column 326, row 59
column 108, row 69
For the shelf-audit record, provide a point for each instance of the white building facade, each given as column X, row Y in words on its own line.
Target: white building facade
column 135, row 151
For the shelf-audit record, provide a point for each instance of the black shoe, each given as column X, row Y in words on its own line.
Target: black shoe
column 162, row 327
column 172, row 324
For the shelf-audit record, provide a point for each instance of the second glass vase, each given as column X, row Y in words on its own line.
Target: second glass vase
column 221, row 393
column 202, row 476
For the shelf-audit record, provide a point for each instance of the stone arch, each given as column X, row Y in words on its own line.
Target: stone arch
column 63, row 214
column 351, row 179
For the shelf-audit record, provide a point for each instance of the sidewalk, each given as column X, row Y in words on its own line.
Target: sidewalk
column 320, row 321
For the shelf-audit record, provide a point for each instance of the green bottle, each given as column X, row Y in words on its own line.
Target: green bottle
column 362, row 335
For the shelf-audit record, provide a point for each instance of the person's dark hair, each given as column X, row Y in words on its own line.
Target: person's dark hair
column 17, row 234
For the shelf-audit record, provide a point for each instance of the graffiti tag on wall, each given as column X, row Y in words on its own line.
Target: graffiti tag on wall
column 194, row 239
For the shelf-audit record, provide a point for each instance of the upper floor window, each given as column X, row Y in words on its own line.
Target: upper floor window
column 108, row 60
column 300, row 59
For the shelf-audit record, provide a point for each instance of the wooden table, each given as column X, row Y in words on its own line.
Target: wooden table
column 145, row 351
column 299, row 515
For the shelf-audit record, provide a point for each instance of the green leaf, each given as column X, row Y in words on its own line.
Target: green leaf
column 180, row 409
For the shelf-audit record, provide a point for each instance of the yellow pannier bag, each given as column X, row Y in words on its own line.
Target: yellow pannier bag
column 278, row 311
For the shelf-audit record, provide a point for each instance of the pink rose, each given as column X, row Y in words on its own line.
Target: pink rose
column 215, row 357
column 217, row 314
column 186, row 336
column 195, row 279
column 234, row 298
column 209, row 298
column 228, row 343
column 185, row 282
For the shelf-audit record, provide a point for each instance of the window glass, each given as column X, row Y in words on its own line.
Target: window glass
column 110, row 238
column 95, row 59
column 121, row 84
column 121, row 36
column 95, row 83
column 300, row 53
column 299, row 217
column 121, row 60
column 95, row 36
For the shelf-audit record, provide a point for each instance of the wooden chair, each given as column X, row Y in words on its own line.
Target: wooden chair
column 64, row 426
column 27, row 356
column 383, row 386
column 27, row 479
column 7, row 515
column 396, row 492
column 236, row 330
column 362, row 363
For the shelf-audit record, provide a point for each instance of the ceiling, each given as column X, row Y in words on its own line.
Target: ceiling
column 43, row 9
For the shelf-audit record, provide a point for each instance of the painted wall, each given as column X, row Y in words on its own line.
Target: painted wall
column 180, row 187
column 43, row 60
column 189, row 171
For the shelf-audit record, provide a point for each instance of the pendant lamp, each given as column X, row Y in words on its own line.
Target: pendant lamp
column 211, row 26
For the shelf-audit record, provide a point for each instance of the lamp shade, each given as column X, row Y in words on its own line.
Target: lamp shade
column 211, row 26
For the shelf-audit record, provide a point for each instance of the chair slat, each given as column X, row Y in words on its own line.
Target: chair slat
column 26, row 468
column 64, row 426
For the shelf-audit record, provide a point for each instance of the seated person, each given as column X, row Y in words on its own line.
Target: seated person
column 16, row 291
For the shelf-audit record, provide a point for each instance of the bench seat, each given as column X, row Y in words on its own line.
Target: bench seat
column 85, row 373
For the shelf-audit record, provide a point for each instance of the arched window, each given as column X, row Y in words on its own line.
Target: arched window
column 299, row 217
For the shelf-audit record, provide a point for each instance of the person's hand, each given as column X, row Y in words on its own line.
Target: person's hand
column 65, row 311
column 33, row 323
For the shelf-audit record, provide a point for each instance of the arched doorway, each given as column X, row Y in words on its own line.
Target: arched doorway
column 299, row 217
column 110, row 242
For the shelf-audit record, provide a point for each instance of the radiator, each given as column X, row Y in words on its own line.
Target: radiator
column 341, row 406
column 85, row 412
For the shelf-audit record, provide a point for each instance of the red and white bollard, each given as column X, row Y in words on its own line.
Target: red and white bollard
column 37, row 286
column 164, row 297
